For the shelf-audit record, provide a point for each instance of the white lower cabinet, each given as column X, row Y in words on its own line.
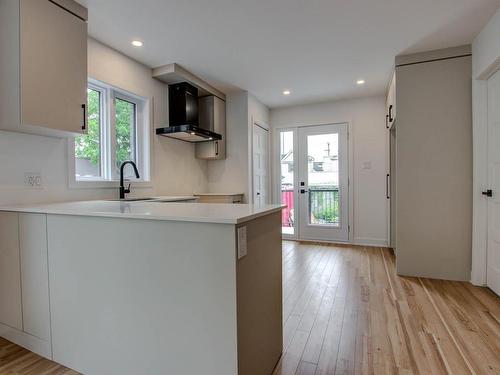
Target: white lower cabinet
column 10, row 278
column 24, row 288
column 34, row 274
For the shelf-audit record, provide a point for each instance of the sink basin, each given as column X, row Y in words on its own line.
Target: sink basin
column 131, row 199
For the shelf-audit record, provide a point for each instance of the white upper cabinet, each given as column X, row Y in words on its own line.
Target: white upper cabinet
column 43, row 67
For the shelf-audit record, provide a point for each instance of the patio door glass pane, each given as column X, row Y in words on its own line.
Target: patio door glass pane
column 323, row 179
column 287, row 182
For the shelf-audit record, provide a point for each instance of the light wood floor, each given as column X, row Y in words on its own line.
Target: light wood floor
column 347, row 312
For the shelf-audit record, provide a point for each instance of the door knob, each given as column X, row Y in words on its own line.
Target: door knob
column 488, row 193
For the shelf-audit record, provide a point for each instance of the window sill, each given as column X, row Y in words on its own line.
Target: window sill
column 90, row 184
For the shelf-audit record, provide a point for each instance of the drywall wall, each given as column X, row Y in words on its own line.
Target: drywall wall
column 174, row 169
column 366, row 118
column 434, row 168
column 233, row 175
column 485, row 59
column 486, row 48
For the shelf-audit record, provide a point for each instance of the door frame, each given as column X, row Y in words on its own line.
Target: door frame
column 269, row 161
column 480, row 172
column 276, row 186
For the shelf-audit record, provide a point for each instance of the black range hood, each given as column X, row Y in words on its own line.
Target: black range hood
column 183, row 116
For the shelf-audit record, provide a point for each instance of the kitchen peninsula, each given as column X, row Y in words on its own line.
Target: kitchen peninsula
column 144, row 287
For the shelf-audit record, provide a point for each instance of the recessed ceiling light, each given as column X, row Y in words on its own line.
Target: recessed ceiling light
column 193, row 133
column 360, row 81
column 286, row 92
column 137, row 43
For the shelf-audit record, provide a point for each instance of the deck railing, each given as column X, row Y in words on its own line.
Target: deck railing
column 323, row 205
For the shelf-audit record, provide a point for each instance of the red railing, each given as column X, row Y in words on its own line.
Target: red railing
column 287, row 213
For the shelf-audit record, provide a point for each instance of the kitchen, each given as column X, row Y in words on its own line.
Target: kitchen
column 140, row 196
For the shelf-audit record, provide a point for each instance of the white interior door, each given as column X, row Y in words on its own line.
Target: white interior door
column 260, row 165
column 493, row 195
column 323, row 190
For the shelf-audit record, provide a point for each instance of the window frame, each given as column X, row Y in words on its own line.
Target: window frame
column 109, row 175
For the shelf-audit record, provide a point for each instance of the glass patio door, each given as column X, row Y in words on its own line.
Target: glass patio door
column 322, row 183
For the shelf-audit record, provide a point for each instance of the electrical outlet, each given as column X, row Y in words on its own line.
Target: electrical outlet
column 33, row 180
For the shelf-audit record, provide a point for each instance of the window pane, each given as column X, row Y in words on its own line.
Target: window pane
column 88, row 146
column 125, row 142
column 287, row 189
column 323, row 178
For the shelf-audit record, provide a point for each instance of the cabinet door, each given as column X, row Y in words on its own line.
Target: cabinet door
column 34, row 274
column 53, row 69
column 10, row 275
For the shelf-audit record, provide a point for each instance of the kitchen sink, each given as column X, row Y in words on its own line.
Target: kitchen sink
column 131, row 199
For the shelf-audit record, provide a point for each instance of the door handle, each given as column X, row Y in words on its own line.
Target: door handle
column 488, row 193
column 387, row 179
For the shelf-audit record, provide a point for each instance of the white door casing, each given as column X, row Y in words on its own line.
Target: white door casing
column 260, row 176
column 493, row 252
column 309, row 226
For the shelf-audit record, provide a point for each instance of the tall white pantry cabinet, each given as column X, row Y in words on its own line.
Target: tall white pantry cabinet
column 43, row 67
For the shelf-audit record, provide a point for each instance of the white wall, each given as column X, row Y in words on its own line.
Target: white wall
column 485, row 58
column 174, row 167
column 366, row 118
column 486, row 46
column 233, row 175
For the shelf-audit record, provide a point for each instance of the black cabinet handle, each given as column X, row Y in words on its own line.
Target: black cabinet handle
column 387, row 121
column 488, row 193
column 216, row 148
column 390, row 113
column 387, row 177
column 84, row 110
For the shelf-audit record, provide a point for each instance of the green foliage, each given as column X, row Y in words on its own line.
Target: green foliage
column 125, row 121
column 87, row 146
column 327, row 215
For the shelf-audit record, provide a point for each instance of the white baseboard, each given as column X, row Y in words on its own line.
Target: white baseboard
column 382, row 242
column 33, row 343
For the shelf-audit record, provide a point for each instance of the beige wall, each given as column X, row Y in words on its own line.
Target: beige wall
column 366, row 118
column 434, row 168
column 174, row 167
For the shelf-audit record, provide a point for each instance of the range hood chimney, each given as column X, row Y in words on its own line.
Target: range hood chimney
column 184, row 119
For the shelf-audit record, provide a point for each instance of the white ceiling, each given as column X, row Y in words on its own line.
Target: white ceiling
column 315, row 48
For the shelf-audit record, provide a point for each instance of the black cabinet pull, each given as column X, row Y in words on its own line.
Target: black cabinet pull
column 488, row 193
column 387, row 177
column 387, row 121
column 216, row 148
column 390, row 114
column 84, row 108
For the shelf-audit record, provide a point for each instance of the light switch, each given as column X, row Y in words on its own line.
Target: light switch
column 242, row 242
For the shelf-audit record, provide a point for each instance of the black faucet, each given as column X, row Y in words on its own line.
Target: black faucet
column 124, row 190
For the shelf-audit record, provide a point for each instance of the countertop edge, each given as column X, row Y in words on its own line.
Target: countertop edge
column 193, row 219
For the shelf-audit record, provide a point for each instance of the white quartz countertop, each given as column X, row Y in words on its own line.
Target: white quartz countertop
column 212, row 194
column 154, row 210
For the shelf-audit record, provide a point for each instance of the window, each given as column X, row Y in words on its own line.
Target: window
column 117, row 131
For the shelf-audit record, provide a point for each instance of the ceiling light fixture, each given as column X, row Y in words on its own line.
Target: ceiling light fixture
column 286, row 92
column 360, row 81
column 137, row 43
